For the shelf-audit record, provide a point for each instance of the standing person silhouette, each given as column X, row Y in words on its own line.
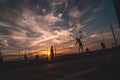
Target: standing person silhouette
column 37, row 57
column 52, row 53
column 103, row 45
column 25, row 57
column 80, row 45
column 87, row 50
column 1, row 58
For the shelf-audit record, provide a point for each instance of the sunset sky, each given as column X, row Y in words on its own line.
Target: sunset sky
column 34, row 24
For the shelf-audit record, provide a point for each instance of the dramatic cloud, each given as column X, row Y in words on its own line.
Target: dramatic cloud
column 34, row 24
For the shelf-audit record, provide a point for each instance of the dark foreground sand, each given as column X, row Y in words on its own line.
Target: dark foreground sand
column 98, row 65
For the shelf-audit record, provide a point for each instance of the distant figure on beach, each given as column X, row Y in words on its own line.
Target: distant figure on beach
column 37, row 57
column 25, row 57
column 1, row 58
column 80, row 45
column 103, row 46
column 87, row 50
column 113, row 45
column 52, row 53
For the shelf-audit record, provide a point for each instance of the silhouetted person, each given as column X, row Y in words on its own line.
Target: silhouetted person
column 113, row 45
column 52, row 53
column 37, row 57
column 80, row 45
column 1, row 58
column 87, row 50
column 103, row 45
column 25, row 57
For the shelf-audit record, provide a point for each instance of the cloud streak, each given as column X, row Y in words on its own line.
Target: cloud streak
column 32, row 29
column 37, row 23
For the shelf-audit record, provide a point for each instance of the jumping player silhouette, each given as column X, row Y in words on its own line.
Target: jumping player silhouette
column 79, row 42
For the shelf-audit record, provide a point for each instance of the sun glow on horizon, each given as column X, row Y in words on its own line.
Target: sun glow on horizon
column 33, row 26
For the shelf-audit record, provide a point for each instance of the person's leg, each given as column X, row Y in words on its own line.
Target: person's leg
column 79, row 49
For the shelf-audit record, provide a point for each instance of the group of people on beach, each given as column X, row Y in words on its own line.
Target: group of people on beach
column 52, row 49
